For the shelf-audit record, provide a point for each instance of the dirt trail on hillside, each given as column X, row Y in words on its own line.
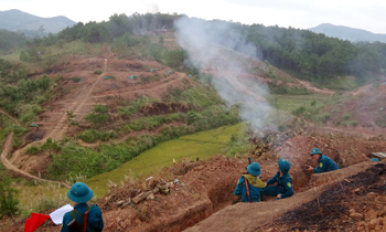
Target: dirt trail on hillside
column 80, row 100
column 141, row 89
column 7, row 148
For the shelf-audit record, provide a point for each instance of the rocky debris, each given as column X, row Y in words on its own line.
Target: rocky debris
column 268, row 139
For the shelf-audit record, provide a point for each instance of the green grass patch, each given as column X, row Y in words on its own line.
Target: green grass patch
column 134, row 106
column 201, row 145
column 90, row 136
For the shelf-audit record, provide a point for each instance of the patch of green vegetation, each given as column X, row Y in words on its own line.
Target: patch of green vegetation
column 350, row 123
column 149, row 123
column 97, row 72
column 145, row 80
column 197, row 96
column 288, row 103
column 76, row 79
column 299, row 111
column 90, row 136
column 9, row 205
column 49, row 145
column 201, row 145
column 287, row 90
column 21, row 96
column 67, row 164
column 134, row 106
column 98, row 117
column 346, row 117
column 324, row 117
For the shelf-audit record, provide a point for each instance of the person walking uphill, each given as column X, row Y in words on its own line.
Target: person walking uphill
column 81, row 194
column 325, row 164
column 249, row 185
column 283, row 189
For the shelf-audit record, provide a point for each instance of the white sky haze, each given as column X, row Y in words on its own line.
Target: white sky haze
column 368, row 15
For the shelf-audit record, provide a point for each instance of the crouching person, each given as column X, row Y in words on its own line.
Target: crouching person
column 283, row 189
column 81, row 194
column 325, row 163
column 249, row 185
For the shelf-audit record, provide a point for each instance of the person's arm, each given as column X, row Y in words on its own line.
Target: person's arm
column 273, row 179
column 237, row 191
column 321, row 167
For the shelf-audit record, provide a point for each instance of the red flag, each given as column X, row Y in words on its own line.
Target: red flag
column 35, row 221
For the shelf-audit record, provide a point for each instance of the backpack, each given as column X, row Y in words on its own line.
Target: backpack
column 80, row 226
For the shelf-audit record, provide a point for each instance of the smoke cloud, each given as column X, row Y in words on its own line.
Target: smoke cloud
column 218, row 49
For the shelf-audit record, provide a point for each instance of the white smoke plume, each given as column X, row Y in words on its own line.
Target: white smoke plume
column 215, row 48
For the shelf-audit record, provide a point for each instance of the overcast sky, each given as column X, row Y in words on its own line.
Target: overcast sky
column 369, row 14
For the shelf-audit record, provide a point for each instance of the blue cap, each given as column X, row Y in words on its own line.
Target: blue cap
column 254, row 169
column 374, row 159
column 315, row 151
column 284, row 166
column 80, row 193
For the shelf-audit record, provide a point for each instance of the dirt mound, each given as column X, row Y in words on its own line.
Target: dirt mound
column 335, row 206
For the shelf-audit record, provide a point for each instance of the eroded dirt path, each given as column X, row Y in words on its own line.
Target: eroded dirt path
column 60, row 128
column 8, row 165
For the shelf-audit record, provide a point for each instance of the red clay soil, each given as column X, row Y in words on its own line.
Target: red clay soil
column 343, row 204
column 207, row 187
column 344, row 150
column 368, row 109
column 80, row 97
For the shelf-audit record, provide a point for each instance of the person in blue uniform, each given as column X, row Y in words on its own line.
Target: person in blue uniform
column 249, row 185
column 283, row 189
column 81, row 194
column 325, row 163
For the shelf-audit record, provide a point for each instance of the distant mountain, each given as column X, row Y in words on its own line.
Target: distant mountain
column 347, row 33
column 16, row 20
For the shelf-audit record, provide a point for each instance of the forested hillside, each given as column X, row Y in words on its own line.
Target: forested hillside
column 10, row 40
column 307, row 55
column 348, row 33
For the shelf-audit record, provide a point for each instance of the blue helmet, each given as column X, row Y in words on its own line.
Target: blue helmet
column 254, row 169
column 315, row 151
column 80, row 193
column 374, row 159
column 284, row 166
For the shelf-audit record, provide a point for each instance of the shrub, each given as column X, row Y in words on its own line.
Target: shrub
column 90, row 136
column 98, row 117
column 8, row 202
column 299, row 111
column 97, row 72
column 76, row 79
column 350, row 123
column 345, row 117
column 323, row 117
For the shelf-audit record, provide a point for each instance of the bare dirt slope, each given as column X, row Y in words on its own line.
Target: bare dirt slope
column 367, row 109
column 8, row 165
column 151, row 79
